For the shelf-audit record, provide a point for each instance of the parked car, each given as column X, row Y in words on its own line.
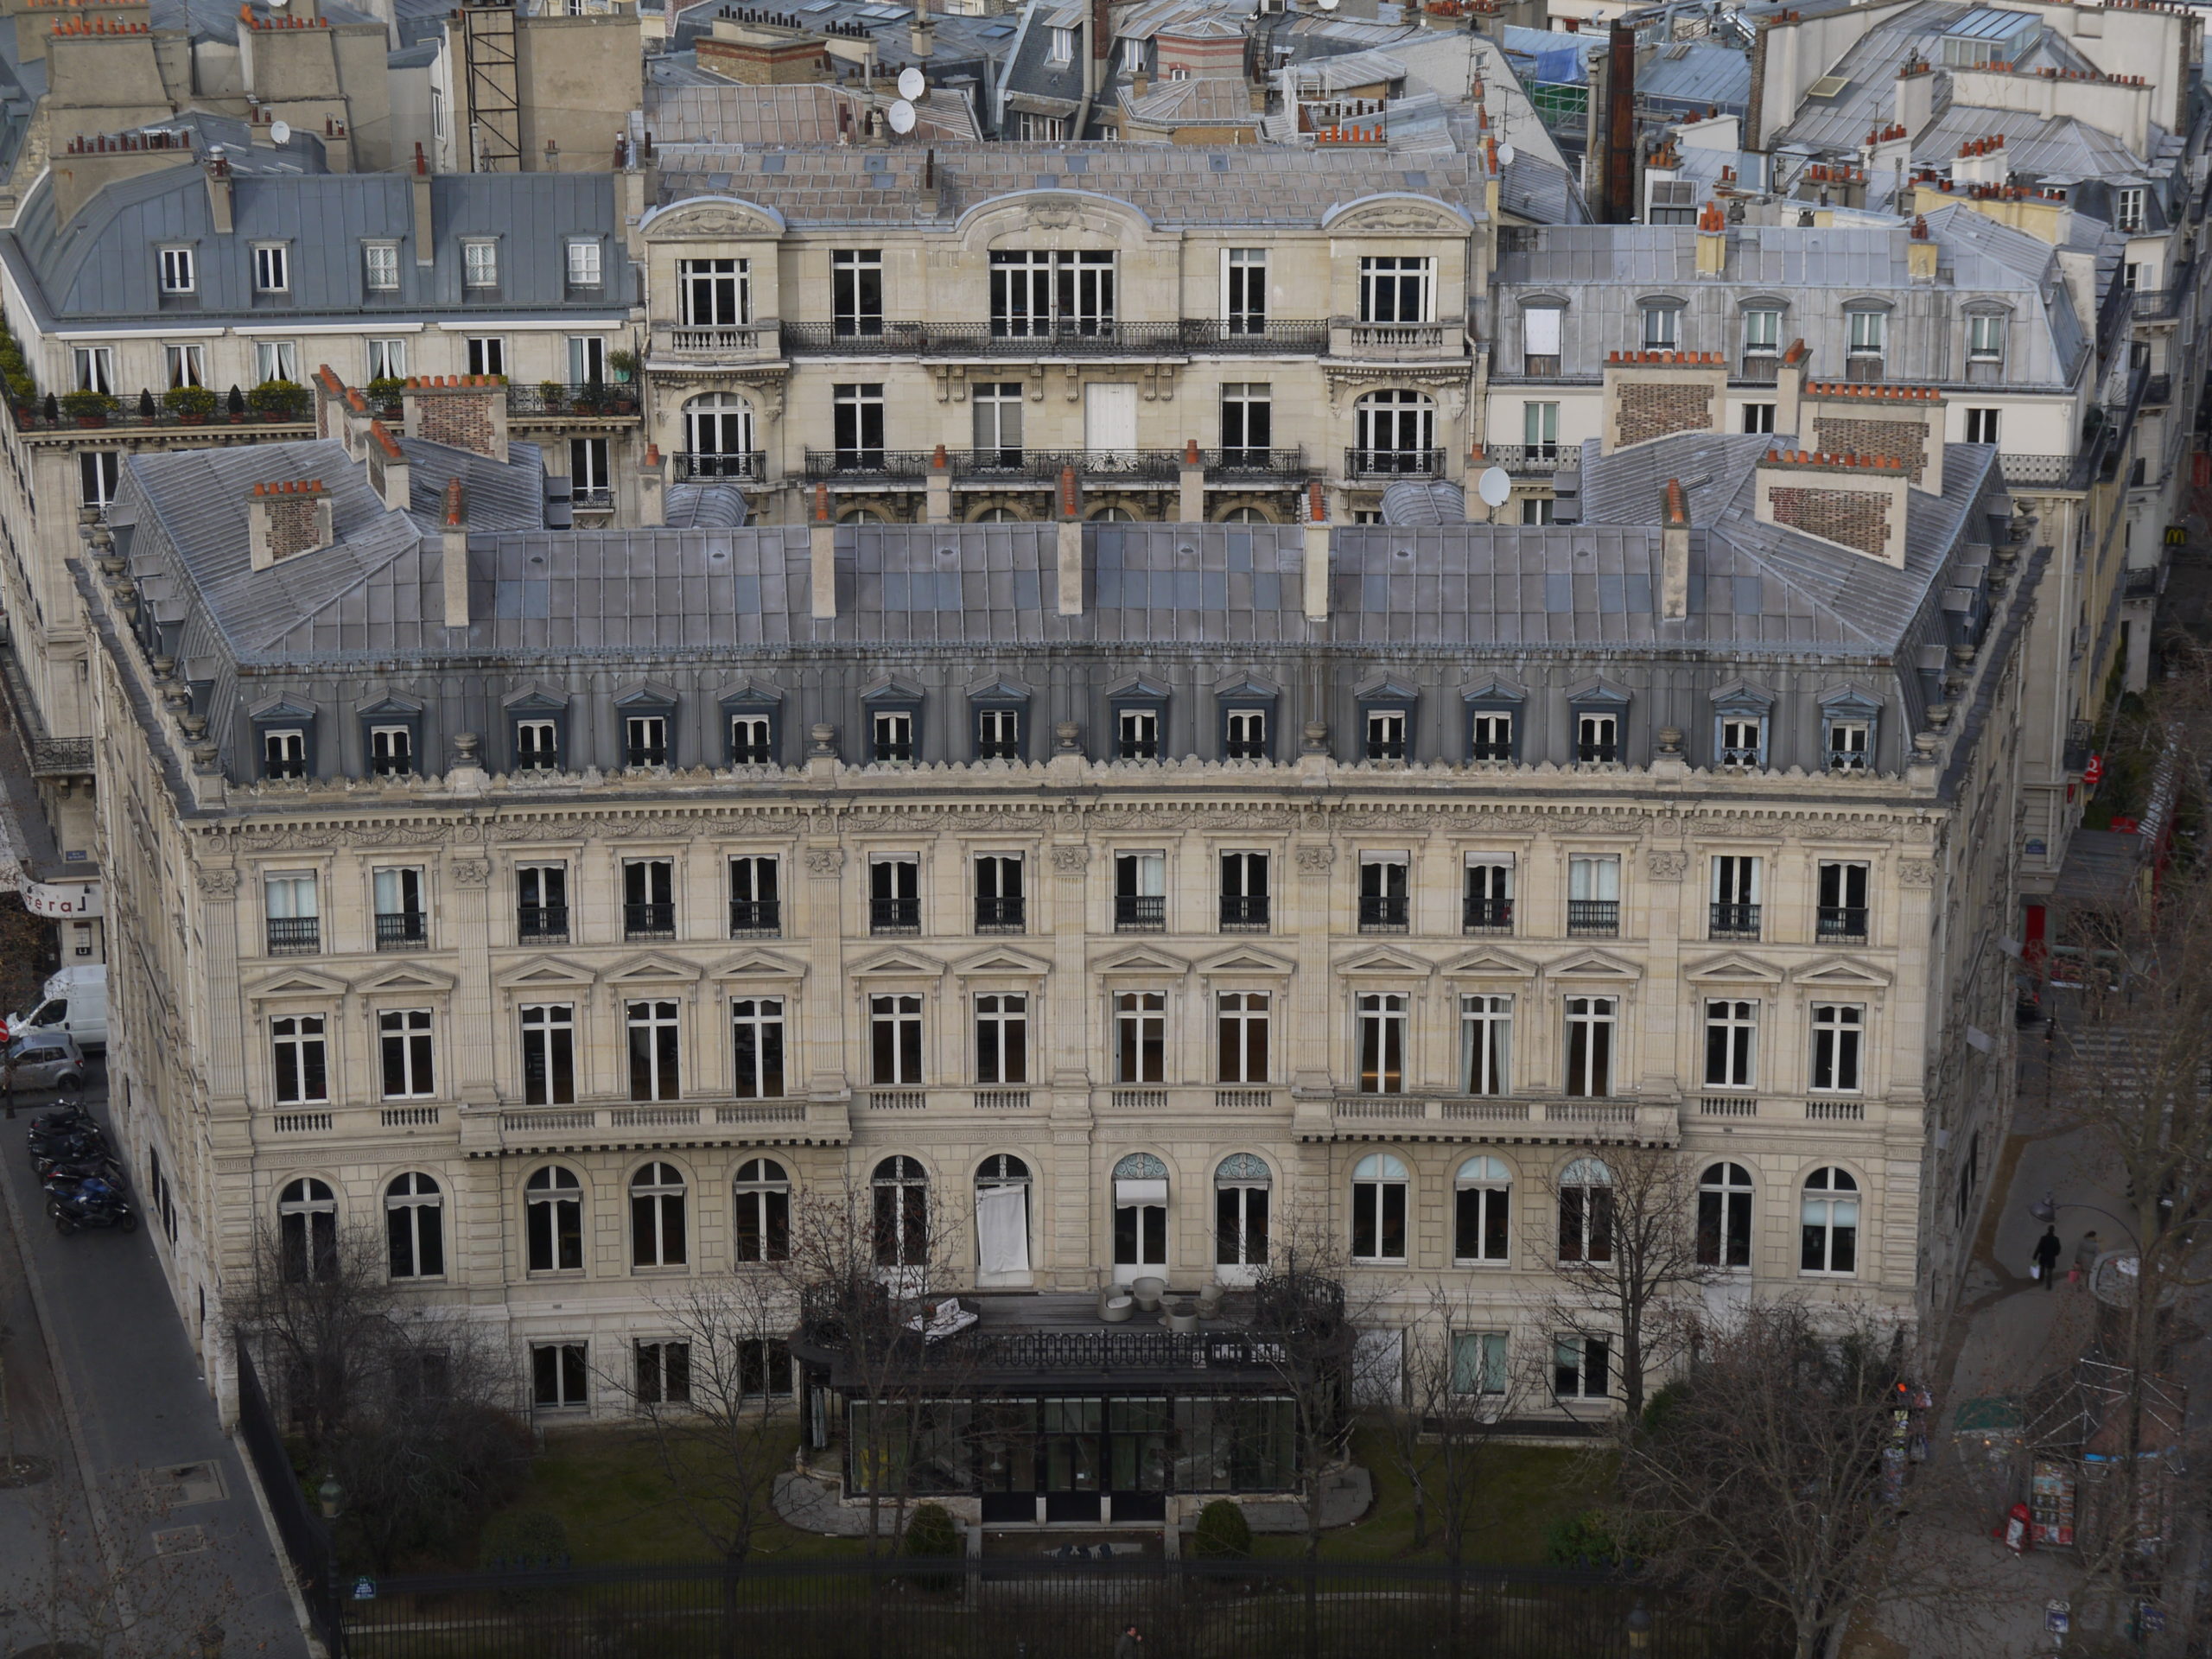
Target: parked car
column 43, row 1059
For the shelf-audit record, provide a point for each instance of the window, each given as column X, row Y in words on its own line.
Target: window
column 1244, row 295
column 1243, row 892
column 392, row 751
column 1848, row 743
column 179, row 273
column 560, row 1375
column 289, row 904
column 645, row 740
column 1381, row 1018
column 894, row 1041
column 1724, row 1216
column 1590, row 1045
column 752, row 739
column 1481, row 1211
column 1985, row 337
column 1244, row 734
column 380, row 267
column 757, row 1046
column 2131, row 276
column 1489, row 735
column 1386, row 733
column 1486, row 905
column 1383, row 899
column 99, row 472
column 479, row 264
column 387, row 358
column 1140, row 892
column 1761, row 331
column 583, row 263
column 488, row 354
column 549, row 1054
column 657, row 1217
column 1039, row 128
column 1378, row 1208
column 653, row 1050
column 997, row 406
column 1479, row 1361
column 401, row 923
column 1597, row 739
column 1139, row 1037
column 403, row 1040
column 764, row 1211
column 1593, row 895
column 663, row 1373
column 1662, row 327
column 2127, row 207
column 856, row 291
column 755, row 909
column 1396, row 287
column 272, row 268
column 1581, row 1368
column 649, row 899
column 1136, row 734
column 307, row 1230
column 188, row 366
column 299, row 1060
column 1536, row 509
column 999, row 908
column 591, row 484
column 1838, row 1028
column 1981, row 426
column 1243, row 1189
column 1063, row 46
column 856, row 422
column 902, row 1221
column 1486, row 1043
column 541, row 902
column 1132, row 55
column 1247, row 420
column 1740, row 739
column 1842, row 915
column 1002, row 1039
column 1868, row 329
column 537, row 745
column 553, row 1220
column 275, row 359
column 1735, row 897
column 1043, row 294
column 1828, row 1231
column 891, row 736
column 1758, row 418
column 714, row 293
column 1732, row 1033
column 95, row 367
column 1241, row 1025
column 1539, row 430
column 894, row 895
column 414, row 1220
column 1586, row 1212
column 1540, row 337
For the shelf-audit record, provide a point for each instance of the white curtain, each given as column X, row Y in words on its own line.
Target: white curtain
column 1002, row 1230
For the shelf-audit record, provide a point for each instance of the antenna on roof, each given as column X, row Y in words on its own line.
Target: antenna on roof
column 902, row 117
column 280, row 133
column 911, row 85
column 1505, row 154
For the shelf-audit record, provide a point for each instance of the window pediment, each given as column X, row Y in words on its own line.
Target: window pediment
column 1596, row 964
column 1140, row 960
column 906, row 964
column 1249, row 962
column 1841, row 973
column 1003, row 962
column 652, row 965
column 1491, row 964
column 1383, row 960
column 412, row 977
column 1733, row 966
column 548, row 974
column 295, row 982
column 760, row 964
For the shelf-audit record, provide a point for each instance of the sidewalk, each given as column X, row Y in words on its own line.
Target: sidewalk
column 176, row 1515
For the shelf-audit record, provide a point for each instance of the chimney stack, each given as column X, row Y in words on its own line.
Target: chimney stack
column 426, row 241
column 1071, row 545
column 1317, row 553
column 453, row 533
column 822, row 548
column 1675, row 552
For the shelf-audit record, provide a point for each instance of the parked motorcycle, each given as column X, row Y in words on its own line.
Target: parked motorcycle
column 67, row 1117
column 78, row 1151
column 85, row 1169
column 93, row 1204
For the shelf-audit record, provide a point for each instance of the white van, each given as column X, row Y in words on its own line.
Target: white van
column 75, row 1000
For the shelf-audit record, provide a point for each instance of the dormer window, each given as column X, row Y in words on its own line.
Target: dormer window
column 392, row 751
column 644, row 741
column 1985, row 337
column 380, row 267
column 1848, row 721
column 284, row 753
column 1136, row 732
column 1063, row 46
column 272, row 268
column 1742, row 740
column 537, row 745
column 891, row 735
column 583, row 263
column 1869, row 332
column 1662, row 327
column 2127, row 207
column 479, row 264
column 1597, row 739
column 179, row 272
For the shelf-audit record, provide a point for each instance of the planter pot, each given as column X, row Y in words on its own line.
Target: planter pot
column 1210, row 1299
column 1117, row 1311
column 192, row 420
column 92, row 420
column 1183, row 1316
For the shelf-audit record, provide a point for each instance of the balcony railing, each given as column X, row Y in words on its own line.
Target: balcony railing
column 1383, row 912
column 1140, row 912
column 894, row 915
column 542, row 923
column 1734, row 922
column 146, row 410
column 59, row 757
column 999, row 915
column 1107, row 337
column 1397, row 340
column 1594, row 918
column 2159, row 304
column 1486, row 915
column 755, row 919
column 1394, row 463
column 751, row 464
column 649, row 921
column 402, row 929
column 1842, row 924
column 2034, row 470
column 1535, row 458
column 1266, row 464
column 1244, row 912
column 1033, row 466
column 294, row 935
column 749, row 340
column 576, row 400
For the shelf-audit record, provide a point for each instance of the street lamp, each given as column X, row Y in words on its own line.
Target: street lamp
column 330, row 1496
column 2046, row 1209
column 1639, row 1628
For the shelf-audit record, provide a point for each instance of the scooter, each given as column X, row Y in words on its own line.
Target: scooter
column 68, row 1117
column 94, row 1203
column 69, row 1152
column 75, row 1171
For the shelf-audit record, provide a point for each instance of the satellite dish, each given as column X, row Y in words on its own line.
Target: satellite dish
column 910, row 84
column 902, row 117
column 1326, row 5
column 280, row 133
column 1494, row 486
column 1505, row 154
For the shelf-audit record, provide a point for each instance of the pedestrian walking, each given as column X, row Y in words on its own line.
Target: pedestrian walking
column 2085, row 1257
column 1130, row 1645
column 2047, row 1252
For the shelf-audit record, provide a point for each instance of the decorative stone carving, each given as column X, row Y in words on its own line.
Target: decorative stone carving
column 1667, row 864
column 472, row 872
column 1916, row 872
column 1071, row 860
column 1314, row 857
column 221, row 883
column 825, row 861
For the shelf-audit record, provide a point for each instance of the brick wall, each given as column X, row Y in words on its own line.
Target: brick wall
column 1904, row 441
column 463, row 419
column 1652, row 410
column 751, row 64
column 291, row 525
column 1857, row 518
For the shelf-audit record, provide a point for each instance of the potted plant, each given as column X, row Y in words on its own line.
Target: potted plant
column 386, row 388
column 551, row 391
column 145, row 406
column 624, row 364
column 89, row 408
column 234, row 405
column 279, row 400
column 191, row 404
column 51, row 410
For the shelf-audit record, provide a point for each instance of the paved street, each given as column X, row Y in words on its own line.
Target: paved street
column 134, row 1389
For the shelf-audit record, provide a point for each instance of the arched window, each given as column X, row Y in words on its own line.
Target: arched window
column 1482, row 1213
column 1830, row 1222
column 902, row 1218
column 859, row 516
column 1724, row 1216
column 657, row 1217
column 1139, row 1216
column 996, row 515
column 764, row 1211
column 1113, row 516
column 1242, row 1190
column 718, row 428
column 414, row 1220
column 1586, row 1212
column 1378, row 1208
column 1395, row 432
column 307, row 1230
column 1001, row 1220
column 553, row 1220
column 1245, row 516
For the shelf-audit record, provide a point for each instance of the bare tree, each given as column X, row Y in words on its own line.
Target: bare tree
column 1309, row 1329
column 1631, row 1253
column 317, row 1307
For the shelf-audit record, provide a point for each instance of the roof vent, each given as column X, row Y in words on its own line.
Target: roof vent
column 1828, row 87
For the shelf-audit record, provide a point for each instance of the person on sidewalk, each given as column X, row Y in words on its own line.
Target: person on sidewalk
column 2085, row 1257
column 2047, row 1252
column 1131, row 1644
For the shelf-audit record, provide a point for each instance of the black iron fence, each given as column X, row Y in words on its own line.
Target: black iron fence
column 306, row 1541
column 1038, row 1605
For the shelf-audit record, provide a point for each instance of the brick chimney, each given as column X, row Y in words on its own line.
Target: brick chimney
column 468, row 411
column 1316, row 552
column 285, row 519
column 388, row 470
column 453, row 526
column 822, row 556
column 1673, row 551
column 1852, row 501
column 1071, row 545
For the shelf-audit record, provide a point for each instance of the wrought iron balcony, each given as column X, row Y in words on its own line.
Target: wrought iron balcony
column 755, row 919
column 402, row 929
column 61, row 757
column 894, row 915
column 1140, row 912
column 1270, row 465
column 1594, row 918
column 1064, row 337
column 1394, row 463
column 1156, row 466
column 1535, row 458
column 1486, row 915
column 1383, row 912
column 1244, row 912
column 1734, row 922
column 542, row 923
column 999, row 915
column 576, row 400
column 294, row 935
column 752, row 464
column 649, row 921
column 1842, row 924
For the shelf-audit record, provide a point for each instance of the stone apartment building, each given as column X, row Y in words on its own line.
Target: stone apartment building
column 553, row 903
